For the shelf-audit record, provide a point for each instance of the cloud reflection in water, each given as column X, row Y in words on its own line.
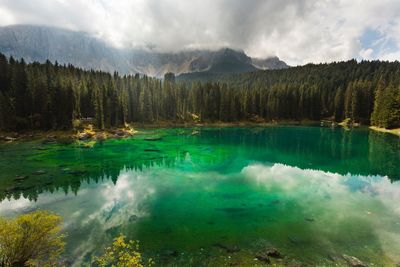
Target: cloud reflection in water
column 336, row 199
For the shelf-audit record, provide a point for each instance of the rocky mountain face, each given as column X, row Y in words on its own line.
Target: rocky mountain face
column 39, row 43
column 270, row 63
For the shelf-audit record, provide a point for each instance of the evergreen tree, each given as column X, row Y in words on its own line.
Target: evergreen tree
column 45, row 96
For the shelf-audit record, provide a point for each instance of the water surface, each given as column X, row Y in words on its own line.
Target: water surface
column 216, row 196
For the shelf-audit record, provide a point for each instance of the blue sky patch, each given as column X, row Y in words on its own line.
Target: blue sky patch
column 378, row 41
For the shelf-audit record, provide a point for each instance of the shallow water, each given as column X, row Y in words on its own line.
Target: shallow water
column 216, row 196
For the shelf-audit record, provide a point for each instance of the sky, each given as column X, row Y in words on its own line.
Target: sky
column 297, row 31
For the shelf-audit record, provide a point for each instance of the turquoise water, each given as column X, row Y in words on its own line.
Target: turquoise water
column 216, row 196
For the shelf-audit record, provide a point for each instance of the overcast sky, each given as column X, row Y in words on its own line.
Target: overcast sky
column 298, row 31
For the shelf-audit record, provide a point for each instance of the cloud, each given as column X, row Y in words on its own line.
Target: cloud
column 337, row 201
column 297, row 31
column 306, row 184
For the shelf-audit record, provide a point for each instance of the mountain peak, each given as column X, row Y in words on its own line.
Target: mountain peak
column 39, row 43
column 269, row 63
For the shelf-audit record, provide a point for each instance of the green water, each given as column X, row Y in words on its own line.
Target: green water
column 186, row 193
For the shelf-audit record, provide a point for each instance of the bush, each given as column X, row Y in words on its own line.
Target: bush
column 32, row 239
column 122, row 254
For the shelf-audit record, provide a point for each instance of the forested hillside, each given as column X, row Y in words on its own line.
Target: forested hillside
column 50, row 96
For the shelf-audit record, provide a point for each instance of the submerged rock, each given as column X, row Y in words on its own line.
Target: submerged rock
column 332, row 257
column 261, row 243
column 227, row 248
column 170, row 253
column 353, row 261
column 83, row 136
column 274, row 202
column 266, row 254
column 152, row 150
column 9, row 139
column 263, row 257
column 294, row 240
column 39, row 172
column 231, row 209
column 133, row 218
column 65, row 141
column 50, row 139
column 153, row 138
column 76, row 172
column 273, row 252
column 21, row 177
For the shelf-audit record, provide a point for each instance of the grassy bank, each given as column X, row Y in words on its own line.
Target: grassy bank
column 383, row 130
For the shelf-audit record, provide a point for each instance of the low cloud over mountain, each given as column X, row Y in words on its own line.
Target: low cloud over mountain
column 39, row 43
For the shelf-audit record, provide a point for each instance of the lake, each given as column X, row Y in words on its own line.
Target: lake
column 216, row 196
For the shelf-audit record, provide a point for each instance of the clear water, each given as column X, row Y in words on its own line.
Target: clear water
column 187, row 194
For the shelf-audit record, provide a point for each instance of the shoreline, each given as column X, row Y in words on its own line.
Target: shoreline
column 121, row 132
column 166, row 124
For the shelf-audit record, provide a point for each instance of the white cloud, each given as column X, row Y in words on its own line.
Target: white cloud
column 366, row 53
column 297, row 31
column 341, row 188
column 6, row 17
column 337, row 199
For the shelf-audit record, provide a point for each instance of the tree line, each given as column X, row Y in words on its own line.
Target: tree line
column 51, row 96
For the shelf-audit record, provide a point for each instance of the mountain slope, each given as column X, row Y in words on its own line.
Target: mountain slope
column 35, row 43
column 231, row 61
column 39, row 43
